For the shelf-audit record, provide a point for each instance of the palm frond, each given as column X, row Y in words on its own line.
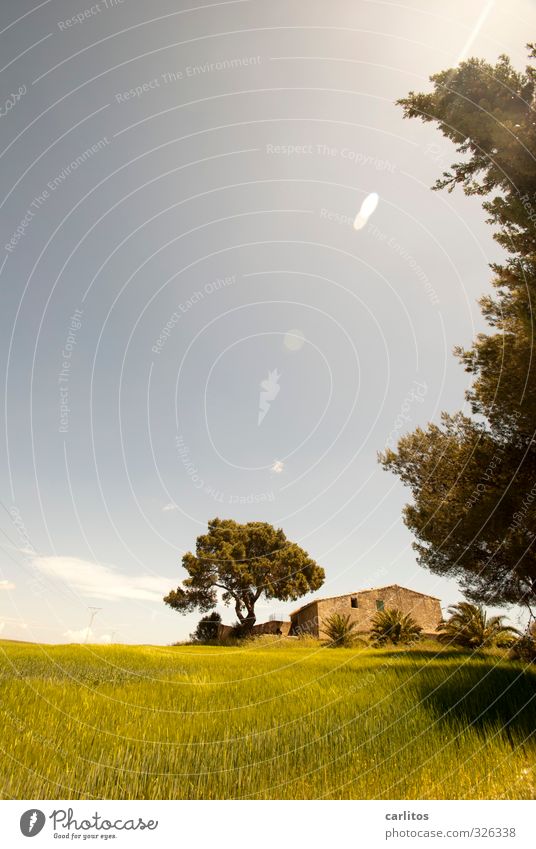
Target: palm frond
column 468, row 625
column 340, row 630
column 393, row 626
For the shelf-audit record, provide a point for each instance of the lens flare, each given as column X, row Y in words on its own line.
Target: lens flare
column 367, row 208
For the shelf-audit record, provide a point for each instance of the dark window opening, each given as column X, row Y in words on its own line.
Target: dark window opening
column 379, row 604
column 354, row 602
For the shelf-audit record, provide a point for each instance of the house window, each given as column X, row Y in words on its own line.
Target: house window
column 353, row 602
column 379, row 604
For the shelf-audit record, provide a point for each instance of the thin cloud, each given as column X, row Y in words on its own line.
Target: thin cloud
column 81, row 636
column 86, row 635
column 14, row 622
column 97, row 580
column 7, row 585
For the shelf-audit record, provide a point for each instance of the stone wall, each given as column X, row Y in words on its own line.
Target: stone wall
column 305, row 621
column 424, row 609
column 225, row 631
column 273, row 626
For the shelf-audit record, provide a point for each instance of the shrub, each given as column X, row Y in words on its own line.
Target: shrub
column 241, row 631
column 525, row 647
column 207, row 630
column 394, row 627
column 340, row 631
column 470, row 627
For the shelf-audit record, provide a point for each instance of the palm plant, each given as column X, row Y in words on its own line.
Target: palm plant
column 470, row 627
column 393, row 626
column 340, row 631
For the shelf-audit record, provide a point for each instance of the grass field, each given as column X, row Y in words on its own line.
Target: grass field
column 269, row 720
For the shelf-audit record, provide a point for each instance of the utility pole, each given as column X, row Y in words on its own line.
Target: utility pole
column 92, row 613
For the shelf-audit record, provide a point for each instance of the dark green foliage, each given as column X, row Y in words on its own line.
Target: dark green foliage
column 340, row 631
column 525, row 647
column 394, row 627
column 470, row 627
column 473, row 481
column 244, row 562
column 207, row 629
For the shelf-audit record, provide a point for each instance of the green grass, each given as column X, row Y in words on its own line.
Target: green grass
column 266, row 720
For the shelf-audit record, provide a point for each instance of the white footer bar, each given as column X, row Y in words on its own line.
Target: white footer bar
column 265, row 825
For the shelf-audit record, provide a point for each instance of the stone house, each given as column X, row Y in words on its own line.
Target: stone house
column 363, row 605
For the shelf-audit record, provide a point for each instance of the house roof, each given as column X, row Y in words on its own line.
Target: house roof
column 362, row 592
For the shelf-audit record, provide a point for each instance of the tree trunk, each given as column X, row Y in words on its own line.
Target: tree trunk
column 249, row 621
column 246, row 622
column 238, row 611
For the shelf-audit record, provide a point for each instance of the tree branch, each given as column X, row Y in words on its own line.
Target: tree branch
column 227, row 590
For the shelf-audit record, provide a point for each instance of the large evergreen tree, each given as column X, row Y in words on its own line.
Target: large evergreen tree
column 473, row 479
column 244, row 562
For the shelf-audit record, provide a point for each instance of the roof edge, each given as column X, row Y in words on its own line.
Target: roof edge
column 360, row 592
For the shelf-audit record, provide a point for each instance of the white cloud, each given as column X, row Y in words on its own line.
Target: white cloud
column 97, row 580
column 81, row 636
column 7, row 585
column 278, row 467
column 86, row 635
column 167, row 507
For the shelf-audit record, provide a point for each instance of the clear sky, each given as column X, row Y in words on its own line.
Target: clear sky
column 178, row 186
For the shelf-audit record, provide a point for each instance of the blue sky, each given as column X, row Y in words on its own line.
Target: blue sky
column 178, row 192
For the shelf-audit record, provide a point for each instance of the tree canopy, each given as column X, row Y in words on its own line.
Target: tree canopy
column 473, row 478
column 241, row 563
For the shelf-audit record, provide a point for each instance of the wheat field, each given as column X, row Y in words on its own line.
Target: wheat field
column 265, row 720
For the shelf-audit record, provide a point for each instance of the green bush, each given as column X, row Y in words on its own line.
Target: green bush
column 207, row 630
column 394, row 627
column 470, row 627
column 340, row 631
column 241, row 631
column 525, row 647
